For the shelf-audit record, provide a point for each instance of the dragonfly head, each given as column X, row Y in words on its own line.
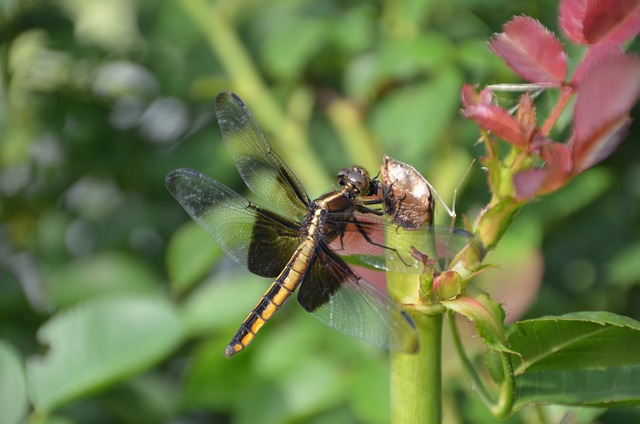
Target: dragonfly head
column 357, row 180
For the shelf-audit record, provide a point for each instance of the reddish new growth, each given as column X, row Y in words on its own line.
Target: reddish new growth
column 606, row 84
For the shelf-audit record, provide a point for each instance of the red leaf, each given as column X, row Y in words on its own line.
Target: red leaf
column 470, row 97
column 528, row 182
column 531, row 50
column 497, row 120
column 558, row 159
column 608, row 91
column 597, row 54
column 600, row 145
column 572, row 13
column 555, row 174
column 596, row 21
column 611, row 21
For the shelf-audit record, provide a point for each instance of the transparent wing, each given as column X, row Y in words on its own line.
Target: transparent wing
column 337, row 296
column 256, row 238
column 262, row 170
column 375, row 242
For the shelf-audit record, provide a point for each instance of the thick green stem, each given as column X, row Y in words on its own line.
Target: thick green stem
column 416, row 380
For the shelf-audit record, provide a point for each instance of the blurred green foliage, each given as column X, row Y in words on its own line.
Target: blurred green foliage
column 99, row 100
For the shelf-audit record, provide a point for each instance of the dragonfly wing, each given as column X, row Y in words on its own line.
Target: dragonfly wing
column 337, row 296
column 262, row 170
column 374, row 242
column 256, row 238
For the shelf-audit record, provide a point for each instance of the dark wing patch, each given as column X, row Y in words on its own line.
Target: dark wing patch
column 256, row 238
column 338, row 297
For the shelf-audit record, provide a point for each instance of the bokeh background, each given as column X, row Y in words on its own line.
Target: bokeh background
column 100, row 99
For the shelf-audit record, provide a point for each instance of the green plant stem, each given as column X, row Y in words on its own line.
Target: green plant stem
column 356, row 140
column 416, row 380
column 502, row 407
column 566, row 95
column 5, row 80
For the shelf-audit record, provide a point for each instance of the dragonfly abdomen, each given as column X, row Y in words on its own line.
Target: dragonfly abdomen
column 279, row 291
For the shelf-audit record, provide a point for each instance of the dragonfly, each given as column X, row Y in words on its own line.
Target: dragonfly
column 304, row 244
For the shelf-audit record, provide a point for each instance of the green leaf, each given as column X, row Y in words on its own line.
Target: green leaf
column 291, row 44
column 401, row 58
column 98, row 342
column 370, row 403
column 486, row 313
column 352, row 30
column 209, row 372
column 13, row 392
column 190, row 255
column 300, row 392
column 587, row 358
column 415, row 116
column 624, row 268
column 104, row 273
column 406, row 57
column 222, row 304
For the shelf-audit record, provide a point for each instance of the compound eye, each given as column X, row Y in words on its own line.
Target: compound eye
column 342, row 177
column 359, row 179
